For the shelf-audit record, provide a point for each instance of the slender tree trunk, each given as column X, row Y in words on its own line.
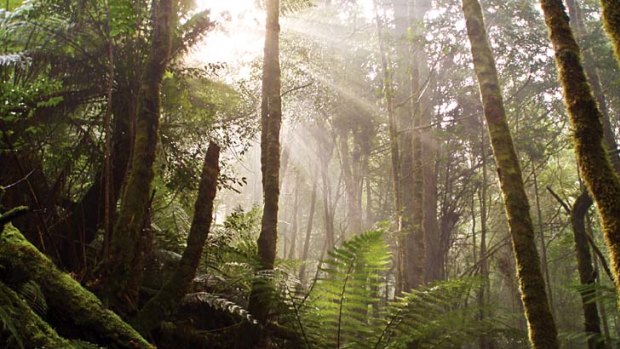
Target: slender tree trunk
column 295, row 219
column 271, row 119
column 125, row 263
column 543, row 243
column 169, row 297
column 304, row 256
column 585, row 117
column 611, row 21
column 542, row 330
column 485, row 288
column 587, row 276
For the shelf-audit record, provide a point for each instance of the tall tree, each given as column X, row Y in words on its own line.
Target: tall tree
column 125, row 264
column 271, row 119
column 542, row 330
column 587, row 129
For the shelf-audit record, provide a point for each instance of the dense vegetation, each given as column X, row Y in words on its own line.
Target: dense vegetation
column 386, row 174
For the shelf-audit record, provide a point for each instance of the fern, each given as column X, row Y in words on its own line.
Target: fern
column 339, row 308
column 14, row 59
column 219, row 303
column 345, row 309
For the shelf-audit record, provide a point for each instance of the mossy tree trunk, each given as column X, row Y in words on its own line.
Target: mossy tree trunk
column 125, row 263
column 71, row 309
column 170, row 296
column 611, row 21
column 587, row 129
column 271, row 119
column 587, row 276
column 542, row 329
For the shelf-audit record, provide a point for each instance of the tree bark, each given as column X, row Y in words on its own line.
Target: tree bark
column 125, row 263
column 587, row 130
column 170, row 296
column 542, row 329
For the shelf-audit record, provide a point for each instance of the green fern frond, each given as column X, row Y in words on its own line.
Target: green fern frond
column 339, row 311
column 434, row 317
column 219, row 303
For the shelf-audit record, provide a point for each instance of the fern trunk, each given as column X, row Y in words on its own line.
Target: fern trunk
column 542, row 330
column 170, row 296
column 588, row 136
column 125, row 263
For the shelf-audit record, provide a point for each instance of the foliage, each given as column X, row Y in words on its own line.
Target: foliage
column 347, row 307
column 219, row 303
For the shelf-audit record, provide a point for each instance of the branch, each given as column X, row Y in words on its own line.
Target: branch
column 296, row 88
column 559, row 199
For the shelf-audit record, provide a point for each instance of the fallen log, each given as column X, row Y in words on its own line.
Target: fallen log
column 71, row 307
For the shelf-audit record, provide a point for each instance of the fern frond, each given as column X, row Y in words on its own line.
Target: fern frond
column 293, row 6
column 219, row 303
column 434, row 317
column 15, row 59
column 339, row 310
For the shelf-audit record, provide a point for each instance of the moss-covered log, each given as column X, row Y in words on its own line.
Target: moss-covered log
column 170, row 296
column 23, row 327
column 71, row 305
column 585, row 116
column 541, row 325
column 611, row 21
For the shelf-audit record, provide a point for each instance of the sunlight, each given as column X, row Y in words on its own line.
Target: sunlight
column 238, row 38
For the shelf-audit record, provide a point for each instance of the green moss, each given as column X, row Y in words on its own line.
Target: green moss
column 585, row 117
column 66, row 297
column 29, row 330
column 611, row 21
column 541, row 325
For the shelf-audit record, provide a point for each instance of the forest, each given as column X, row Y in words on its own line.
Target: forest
column 373, row 174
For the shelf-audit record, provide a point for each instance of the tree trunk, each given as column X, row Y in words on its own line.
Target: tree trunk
column 271, row 118
column 79, row 228
column 585, row 116
column 611, row 21
column 542, row 330
column 295, row 219
column 125, row 264
column 72, row 308
column 170, row 296
column 587, row 275
column 304, row 256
